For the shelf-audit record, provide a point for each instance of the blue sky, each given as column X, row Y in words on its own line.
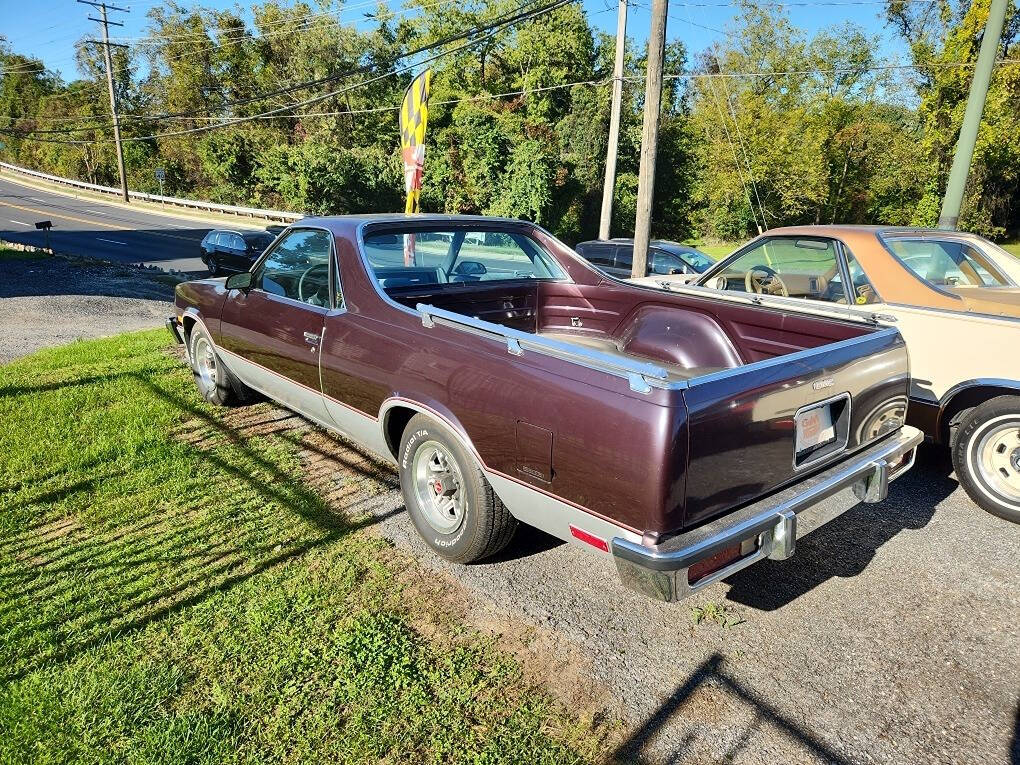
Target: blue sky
column 49, row 28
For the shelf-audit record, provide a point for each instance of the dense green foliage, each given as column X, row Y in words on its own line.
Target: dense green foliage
column 767, row 127
column 175, row 589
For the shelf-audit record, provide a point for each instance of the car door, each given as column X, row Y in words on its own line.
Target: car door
column 271, row 332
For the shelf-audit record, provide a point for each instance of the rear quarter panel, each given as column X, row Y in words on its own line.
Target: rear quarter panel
column 741, row 423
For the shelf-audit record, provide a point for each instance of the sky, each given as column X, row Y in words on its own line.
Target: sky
column 48, row 29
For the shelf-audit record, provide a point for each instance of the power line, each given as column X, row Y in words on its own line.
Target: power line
column 492, row 29
column 513, row 17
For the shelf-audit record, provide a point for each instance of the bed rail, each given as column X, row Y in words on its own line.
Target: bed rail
column 641, row 376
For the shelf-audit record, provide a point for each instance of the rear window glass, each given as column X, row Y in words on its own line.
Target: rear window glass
column 946, row 263
column 415, row 258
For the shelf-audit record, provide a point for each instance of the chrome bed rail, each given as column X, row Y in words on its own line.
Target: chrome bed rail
column 641, row 376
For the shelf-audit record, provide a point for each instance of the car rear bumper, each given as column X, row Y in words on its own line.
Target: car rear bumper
column 768, row 528
column 173, row 325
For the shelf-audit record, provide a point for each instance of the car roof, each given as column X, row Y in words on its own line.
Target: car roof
column 834, row 229
column 665, row 244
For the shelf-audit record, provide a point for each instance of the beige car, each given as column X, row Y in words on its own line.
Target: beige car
column 955, row 299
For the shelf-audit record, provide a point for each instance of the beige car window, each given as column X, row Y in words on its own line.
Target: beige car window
column 789, row 267
column 946, row 262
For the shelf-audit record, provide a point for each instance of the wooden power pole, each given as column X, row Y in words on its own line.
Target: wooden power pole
column 649, row 137
column 614, row 122
column 105, row 42
column 953, row 200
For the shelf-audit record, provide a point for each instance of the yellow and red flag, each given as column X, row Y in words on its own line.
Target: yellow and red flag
column 414, row 115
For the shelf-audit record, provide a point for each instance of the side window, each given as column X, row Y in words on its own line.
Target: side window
column 802, row 268
column 864, row 292
column 663, row 263
column 946, row 263
column 237, row 243
column 625, row 257
column 600, row 255
column 298, row 268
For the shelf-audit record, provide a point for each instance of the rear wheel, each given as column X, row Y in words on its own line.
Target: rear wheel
column 215, row 382
column 986, row 456
column 450, row 503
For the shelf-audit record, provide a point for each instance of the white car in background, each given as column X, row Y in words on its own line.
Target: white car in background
column 954, row 297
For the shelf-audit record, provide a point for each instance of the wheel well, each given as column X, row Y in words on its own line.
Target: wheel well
column 396, row 420
column 967, row 399
column 187, row 323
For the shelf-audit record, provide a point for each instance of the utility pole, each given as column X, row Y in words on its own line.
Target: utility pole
column 614, row 121
column 649, row 137
column 103, row 7
column 953, row 200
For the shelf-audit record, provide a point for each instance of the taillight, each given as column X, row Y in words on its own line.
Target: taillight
column 721, row 559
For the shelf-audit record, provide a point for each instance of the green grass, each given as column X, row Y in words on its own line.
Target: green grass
column 172, row 591
column 9, row 254
column 717, row 251
column 1013, row 248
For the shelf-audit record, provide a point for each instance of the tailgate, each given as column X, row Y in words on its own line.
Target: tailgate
column 742, row 434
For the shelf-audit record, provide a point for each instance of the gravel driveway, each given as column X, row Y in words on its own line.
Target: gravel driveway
column 51, row 301
column 891, row 636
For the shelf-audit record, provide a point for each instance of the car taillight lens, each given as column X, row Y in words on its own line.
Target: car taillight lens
column 721, row 559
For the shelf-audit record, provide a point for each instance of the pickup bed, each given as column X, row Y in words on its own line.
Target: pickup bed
column 685, row 436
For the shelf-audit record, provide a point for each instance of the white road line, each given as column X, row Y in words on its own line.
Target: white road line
column 20, row 222
column 97, row 212
column 36, row 199
column 111, row 241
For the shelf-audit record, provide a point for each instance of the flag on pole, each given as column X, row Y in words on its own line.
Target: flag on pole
column 414, row 114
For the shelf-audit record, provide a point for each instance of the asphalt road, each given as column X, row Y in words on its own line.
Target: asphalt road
column 96, row 229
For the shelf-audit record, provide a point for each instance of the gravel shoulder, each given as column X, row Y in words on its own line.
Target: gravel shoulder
column 54, row 300
column 891, row 636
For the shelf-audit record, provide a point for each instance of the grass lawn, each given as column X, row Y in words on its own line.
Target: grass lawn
column 172, row 590
column 1013, row 248
column 9, row 254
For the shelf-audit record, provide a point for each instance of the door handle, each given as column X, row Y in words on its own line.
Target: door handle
column 311, row 337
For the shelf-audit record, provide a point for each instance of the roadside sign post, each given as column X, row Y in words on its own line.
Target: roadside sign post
column 160, row 176
column 45, row 225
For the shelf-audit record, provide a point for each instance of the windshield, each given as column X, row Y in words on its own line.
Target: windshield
column 699, row 261
column 946, row 262
column 456, row 256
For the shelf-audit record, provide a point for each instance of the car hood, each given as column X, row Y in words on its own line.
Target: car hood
column 997, row 300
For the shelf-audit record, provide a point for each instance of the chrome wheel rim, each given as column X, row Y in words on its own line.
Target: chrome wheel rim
column 439, row 487
column 204, row 362
column 998, row 457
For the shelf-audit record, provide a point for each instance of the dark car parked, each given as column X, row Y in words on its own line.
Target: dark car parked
column 226, row 251
column 685, row 436
column 616, row 256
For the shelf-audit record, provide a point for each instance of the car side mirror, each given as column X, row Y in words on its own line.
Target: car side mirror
column 470, row 268
column 241, row 281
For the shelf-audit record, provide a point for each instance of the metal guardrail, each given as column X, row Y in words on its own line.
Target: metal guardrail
column 196, row 204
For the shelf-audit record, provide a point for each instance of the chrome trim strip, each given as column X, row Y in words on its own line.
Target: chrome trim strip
column 661, row 571
column 963, row 314
column 797, row 356
column 640, row 375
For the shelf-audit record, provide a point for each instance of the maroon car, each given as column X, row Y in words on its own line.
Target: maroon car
column 510, row 381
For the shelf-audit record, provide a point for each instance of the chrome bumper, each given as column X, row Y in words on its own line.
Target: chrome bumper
column 174, row 327
column 770, row 527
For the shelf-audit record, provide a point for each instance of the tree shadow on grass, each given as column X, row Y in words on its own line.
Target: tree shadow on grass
column 74, row 592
